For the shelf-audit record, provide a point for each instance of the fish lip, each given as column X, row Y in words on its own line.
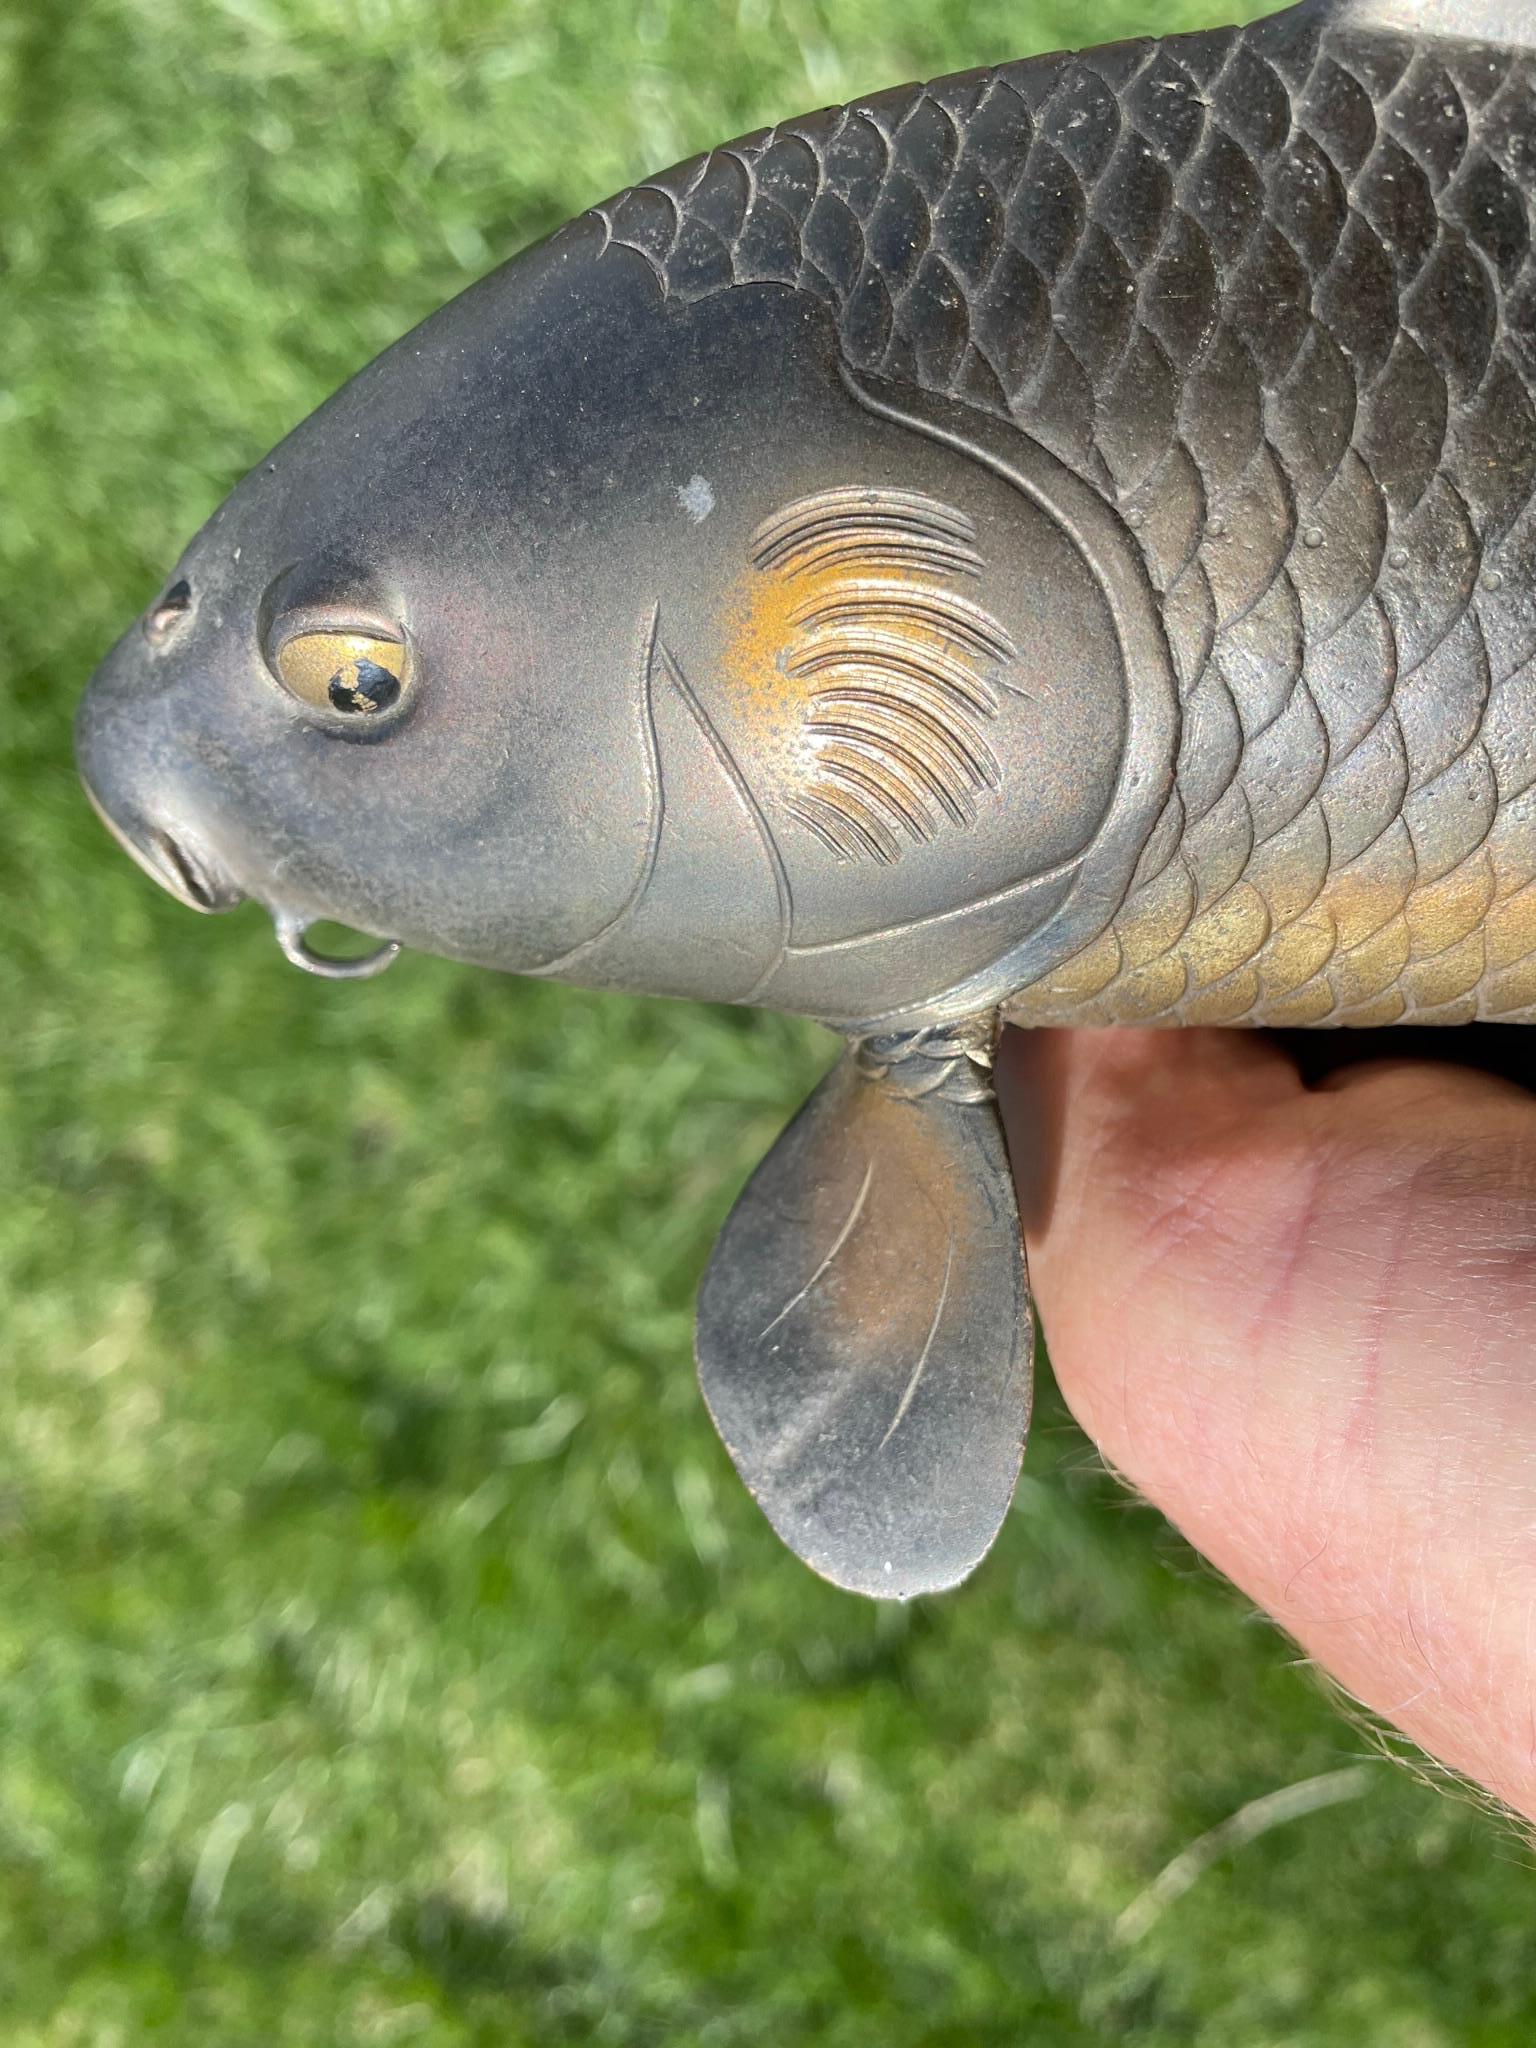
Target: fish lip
column 181, row 868
column 201, row 887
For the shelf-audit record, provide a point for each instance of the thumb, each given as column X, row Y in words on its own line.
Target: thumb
column 1302, row 1321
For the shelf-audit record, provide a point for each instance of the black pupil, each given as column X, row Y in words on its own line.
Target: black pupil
column 363, row 686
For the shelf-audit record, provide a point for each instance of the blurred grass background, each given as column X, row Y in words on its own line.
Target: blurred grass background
column 387, row 1652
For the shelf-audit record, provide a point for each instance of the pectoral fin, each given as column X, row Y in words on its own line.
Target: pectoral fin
column 864, row 1335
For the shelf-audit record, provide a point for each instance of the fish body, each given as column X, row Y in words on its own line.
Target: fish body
column 1056, row 544
column 1270, row 294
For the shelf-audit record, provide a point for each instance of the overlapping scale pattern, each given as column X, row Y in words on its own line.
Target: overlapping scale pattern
column 1273, row 292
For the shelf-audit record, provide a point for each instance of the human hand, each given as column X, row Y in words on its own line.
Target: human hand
column 1302, row 1321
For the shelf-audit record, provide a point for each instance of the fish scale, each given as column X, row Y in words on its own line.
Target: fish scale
column 1271, row 292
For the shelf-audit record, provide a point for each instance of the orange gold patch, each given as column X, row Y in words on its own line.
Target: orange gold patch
column 870, row 678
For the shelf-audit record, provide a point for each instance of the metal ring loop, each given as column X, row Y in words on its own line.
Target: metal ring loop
column 290, row 936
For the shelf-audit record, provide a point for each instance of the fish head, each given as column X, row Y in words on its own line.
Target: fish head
column 601, row 631
column 399, row 678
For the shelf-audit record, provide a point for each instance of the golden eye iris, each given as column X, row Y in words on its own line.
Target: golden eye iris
column 359, row 674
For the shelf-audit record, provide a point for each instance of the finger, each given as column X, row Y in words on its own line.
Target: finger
column 1345, row 1058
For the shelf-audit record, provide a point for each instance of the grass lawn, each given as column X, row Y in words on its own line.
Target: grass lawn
column 387, row 1651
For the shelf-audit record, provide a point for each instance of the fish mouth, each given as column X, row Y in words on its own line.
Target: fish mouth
column 182, row 869
column 187, row 872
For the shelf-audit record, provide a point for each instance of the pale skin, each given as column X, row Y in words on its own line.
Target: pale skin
column 1301, row 1320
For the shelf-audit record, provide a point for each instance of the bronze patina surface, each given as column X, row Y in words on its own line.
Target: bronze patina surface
column 1055, row 544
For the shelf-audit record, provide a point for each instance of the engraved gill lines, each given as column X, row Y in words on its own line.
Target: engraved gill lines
column 730, row 769
column 656, row 809
column 884, row 676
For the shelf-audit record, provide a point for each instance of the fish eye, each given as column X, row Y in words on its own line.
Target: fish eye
column 356, row 673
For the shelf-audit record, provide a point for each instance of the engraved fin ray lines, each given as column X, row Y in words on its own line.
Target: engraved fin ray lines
column 896, row 674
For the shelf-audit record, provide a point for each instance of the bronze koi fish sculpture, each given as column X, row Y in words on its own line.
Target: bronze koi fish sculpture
column 1055, row 544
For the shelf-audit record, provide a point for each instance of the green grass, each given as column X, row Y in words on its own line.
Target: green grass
column 387, row 1653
